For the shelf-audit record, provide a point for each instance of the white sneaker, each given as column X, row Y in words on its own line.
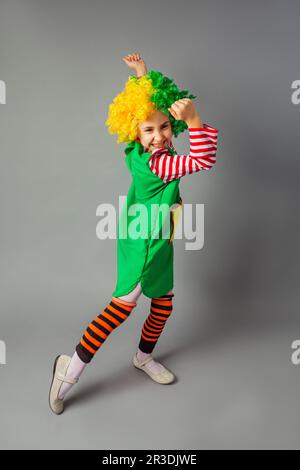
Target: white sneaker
column 165, row 377
column 59, row 376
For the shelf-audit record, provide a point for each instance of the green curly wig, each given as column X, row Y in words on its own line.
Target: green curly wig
column 139, row 99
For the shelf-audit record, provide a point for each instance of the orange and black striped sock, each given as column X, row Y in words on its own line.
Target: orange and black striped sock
column 99, row 329
column 160, row 310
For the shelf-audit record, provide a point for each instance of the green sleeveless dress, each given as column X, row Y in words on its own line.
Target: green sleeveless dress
column 147, row 259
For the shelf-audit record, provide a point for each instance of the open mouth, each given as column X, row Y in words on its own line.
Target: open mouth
column 158, row 146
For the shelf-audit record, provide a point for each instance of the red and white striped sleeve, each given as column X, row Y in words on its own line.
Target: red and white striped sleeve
column 202, row 156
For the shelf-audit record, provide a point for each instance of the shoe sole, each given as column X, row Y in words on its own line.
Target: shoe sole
column 53, row 374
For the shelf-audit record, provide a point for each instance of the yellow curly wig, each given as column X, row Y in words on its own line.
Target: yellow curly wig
column 130, row 107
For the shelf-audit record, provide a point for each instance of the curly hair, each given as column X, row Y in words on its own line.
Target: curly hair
column 139, row 99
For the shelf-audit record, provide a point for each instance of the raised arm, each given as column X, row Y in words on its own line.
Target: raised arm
column 135, row 62
column 202, row 155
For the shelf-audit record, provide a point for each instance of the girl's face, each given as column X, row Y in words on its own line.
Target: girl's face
column 156, row 132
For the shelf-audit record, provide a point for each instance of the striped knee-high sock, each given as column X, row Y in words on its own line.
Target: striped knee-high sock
column 98, row 330
column 160, row 310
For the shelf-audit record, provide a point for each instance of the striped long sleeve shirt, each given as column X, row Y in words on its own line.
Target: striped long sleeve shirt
column 202, row 156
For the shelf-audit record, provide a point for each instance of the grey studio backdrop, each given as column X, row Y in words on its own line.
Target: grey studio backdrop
column 236, row 304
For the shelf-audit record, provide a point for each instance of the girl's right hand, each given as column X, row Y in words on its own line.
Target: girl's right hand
column 135, row 62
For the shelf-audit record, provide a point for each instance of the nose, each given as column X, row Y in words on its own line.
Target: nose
column 158, row 137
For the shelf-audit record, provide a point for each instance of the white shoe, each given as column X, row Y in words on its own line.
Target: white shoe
column 165, row 377
column 59, row 376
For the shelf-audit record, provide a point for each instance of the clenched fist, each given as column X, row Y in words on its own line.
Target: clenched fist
column 185, row 110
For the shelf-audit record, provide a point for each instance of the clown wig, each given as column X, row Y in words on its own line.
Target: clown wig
column 139, row 99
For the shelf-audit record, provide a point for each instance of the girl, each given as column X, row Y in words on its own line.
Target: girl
column 145, row 115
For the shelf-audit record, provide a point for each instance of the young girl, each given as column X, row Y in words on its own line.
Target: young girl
column 146, row 115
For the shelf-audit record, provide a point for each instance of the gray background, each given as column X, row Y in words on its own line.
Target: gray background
column 236, row 305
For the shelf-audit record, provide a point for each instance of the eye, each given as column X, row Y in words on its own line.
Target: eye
column 164, row 126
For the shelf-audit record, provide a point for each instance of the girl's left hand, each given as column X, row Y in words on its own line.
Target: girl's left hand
column 184, row 110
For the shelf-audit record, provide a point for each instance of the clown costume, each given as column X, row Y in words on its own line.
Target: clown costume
column 144, row 262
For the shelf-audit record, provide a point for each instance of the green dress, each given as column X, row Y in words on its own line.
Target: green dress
column 147, row 259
